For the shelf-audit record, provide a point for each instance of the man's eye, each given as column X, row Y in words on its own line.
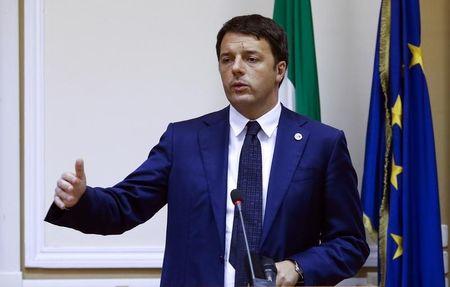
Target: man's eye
column 253, row 59
column 225, row 60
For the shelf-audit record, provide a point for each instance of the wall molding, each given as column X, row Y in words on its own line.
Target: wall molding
column 92, row 282
column 37, row 254
column 10, row 197
column 151, row 282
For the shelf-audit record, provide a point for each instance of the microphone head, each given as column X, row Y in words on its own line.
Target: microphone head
column 268, row 264
column 236, row 196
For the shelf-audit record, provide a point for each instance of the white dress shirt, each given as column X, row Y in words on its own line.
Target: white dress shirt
column 267, row 136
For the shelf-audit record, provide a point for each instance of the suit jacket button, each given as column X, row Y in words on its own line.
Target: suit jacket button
column 221, row 259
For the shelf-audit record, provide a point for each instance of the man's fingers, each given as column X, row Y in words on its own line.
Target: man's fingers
column 64, row 196
column 64, row 185
column 79, row 169
column 70, row 186
column 278, row 277
column 70, row 178
column 286, row 274
column 59, row 202
column 281, row 282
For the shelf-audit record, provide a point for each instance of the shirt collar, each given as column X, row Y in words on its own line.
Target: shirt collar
column 268, row 121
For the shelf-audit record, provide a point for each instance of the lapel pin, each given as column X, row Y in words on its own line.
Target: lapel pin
column 298, row 136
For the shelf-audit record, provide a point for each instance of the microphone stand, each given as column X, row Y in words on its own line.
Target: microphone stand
column 250, row 263
column 256, row 282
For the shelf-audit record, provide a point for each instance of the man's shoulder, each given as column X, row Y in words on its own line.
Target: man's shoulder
column 207, row 119
column 313, row 126
column 322, row 139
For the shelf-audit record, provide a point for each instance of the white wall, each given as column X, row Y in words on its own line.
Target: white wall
column 345, row 35
column 115, row 73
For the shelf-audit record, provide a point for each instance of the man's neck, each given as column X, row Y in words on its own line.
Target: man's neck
column 253, row 114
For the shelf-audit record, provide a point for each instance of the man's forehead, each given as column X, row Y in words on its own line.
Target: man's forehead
column 243, row 41
column 239, row 37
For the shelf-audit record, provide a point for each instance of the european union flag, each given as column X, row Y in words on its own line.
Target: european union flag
column 400, row 190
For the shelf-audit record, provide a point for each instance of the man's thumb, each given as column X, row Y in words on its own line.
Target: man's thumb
column 79, row 169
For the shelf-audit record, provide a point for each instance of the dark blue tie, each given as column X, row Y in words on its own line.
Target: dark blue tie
column 250, row 185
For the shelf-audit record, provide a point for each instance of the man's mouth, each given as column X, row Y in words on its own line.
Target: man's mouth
column 239, row 86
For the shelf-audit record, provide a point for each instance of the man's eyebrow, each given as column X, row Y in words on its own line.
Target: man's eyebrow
column 224, row 54
column 252, row 52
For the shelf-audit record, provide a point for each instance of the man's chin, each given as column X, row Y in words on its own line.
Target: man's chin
column 244, row 105
column 241, row 99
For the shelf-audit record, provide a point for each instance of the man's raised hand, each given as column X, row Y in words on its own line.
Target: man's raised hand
column 71, row 186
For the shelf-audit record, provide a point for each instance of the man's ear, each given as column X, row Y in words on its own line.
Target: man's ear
column 281, row 70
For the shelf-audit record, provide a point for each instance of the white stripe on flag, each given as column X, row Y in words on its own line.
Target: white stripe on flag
column 286, row 93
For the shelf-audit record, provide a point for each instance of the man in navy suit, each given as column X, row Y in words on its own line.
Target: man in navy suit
column 312, row 221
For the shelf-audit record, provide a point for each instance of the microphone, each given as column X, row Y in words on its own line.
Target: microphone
column 237, row 199
column 270, row 271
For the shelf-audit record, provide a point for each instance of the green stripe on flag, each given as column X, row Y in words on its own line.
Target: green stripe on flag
column 296, row 19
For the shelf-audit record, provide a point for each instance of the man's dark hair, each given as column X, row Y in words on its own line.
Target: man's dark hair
column 260, row 27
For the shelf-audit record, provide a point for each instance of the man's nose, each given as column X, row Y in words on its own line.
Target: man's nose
column 238, row 66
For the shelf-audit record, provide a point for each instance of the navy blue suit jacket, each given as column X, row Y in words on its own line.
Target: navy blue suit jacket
column 313, row 212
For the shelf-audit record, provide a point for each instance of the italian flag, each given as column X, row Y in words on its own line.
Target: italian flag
column 300, row 90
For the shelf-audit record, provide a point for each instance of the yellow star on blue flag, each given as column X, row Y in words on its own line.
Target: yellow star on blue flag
column 416, row 52
column 400, row 195
column 399, row 241
column 397, row 112
column 395, row 171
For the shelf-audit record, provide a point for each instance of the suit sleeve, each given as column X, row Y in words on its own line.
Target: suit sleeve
column 343, row 248
column 117, row 209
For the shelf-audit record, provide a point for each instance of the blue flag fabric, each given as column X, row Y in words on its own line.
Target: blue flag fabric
column 400, row 190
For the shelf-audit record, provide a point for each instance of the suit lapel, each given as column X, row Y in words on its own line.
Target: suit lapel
column 288, row 151
column 213, row 140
